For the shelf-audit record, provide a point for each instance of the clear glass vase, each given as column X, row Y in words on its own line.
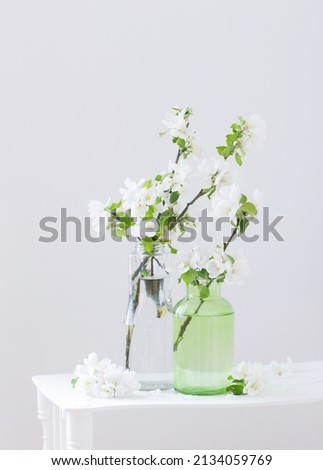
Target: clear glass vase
column 203, row 342
column 148, row 349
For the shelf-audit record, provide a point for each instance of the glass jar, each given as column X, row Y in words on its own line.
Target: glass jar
column 203, row 342
column 149, row 318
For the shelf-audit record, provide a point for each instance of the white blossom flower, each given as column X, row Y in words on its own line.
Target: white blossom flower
column 226, row 201
column 91, row 366
column 102, row 390
column 225, row 208
column 176, row 123
column 213, row 268
column 254, row 385
column 185, row 261
column 254, row 376
column 178, row 176
column 237, row 270
column 104, row 379
column 257, row 199
column 85, row 384
column 218, row 263
column 194, row 145
column 245, row 369
column 257, row 377
column 240, row 371
column 131, row 188
column 254, row 133
column 281, row 369
column 97, row 213
column 230, row 192
column 115, row 381
column 214, row 172
column 132, row 194
column 87, row 372
column 137, row 197
column 192, row 259
column 138, row 208
column 127, row 384
column 96, row 208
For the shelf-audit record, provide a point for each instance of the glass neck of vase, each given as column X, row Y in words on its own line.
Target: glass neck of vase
column 214, row 287
column 157, row 249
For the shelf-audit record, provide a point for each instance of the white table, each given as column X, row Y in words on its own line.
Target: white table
column 66, row 415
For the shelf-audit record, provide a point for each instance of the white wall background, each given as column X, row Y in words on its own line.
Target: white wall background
column 83, row 87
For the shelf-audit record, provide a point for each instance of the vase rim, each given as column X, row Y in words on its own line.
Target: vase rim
column 158, row 248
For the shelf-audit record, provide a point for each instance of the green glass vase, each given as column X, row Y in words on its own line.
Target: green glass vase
column 203, row 348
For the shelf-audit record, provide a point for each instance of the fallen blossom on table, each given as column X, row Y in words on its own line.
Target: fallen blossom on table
column 104, row 379
column 254, row 378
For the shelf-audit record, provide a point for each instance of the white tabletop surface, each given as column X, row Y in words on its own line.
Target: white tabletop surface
column 303, row 385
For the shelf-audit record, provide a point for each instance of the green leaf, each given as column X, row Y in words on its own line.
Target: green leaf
column 243, row 199
column 122, row 226
column 120, row 232
column 220, row 278
column 242, row 121
column 237, row 386
column 189, row 276
column 174, row 197
column 204, row 291
column 73, row 381
column 128, row 221
column 249, row 208
column 243, row 224
column 161, row 134
column 145, row 273
column 231, row 258
column 166, row 220
column 148, row 246
column 172, row 249
column 230, row 150
column 181, row 142
column 230, row 138
column 147, row 184
column 211, row 192
column 188, row 112
column 238, row 158
column 224, row 151
column 114, row 205
column 236, row 127
column 235, row 389
column 238, row 381
column 203, row 274
column 150, row 212
column 221, row 149
column 158, row 177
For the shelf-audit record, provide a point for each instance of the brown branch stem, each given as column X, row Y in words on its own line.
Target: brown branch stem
column 199, row 194
column 187, row 321
column 128, row 344
column 232, row 236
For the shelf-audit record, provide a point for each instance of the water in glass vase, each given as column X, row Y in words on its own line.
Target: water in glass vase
column 203, row 343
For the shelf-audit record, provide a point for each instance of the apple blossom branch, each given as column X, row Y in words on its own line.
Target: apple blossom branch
column 161, row 198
